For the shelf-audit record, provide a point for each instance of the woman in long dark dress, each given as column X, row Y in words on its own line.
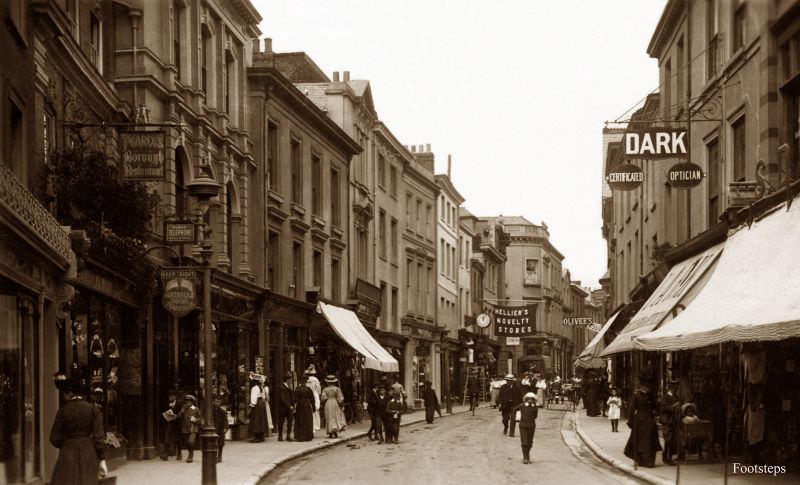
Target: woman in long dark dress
column 643, row 444
column 304, row 412
column 258, row 411
column 78, row 434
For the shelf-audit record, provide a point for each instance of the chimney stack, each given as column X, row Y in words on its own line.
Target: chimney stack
column 346, row 75
column 256, row 46
column 449, row 164
column 268, row 45
column 428, row 147
column 413, row 148
column 336, row 76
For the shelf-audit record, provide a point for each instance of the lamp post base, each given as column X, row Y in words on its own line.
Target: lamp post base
column 209, row 442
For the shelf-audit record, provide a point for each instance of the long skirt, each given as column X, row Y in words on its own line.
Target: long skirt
column 643, row 441
column 334, row 417
column 303, row 422
column 77, row 463
column 316, row 413
column 429, row 410
column 258, row 418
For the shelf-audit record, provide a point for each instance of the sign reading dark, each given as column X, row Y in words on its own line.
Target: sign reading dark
column 657, row 143
column 179, row 232
column 685, row 175
column 142, row 155
column 514, row 321
column 626, row 176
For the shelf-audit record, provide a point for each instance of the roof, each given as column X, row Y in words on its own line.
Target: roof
column 444, row 180
column 297, row 67
column 514, row 221
column 673, row 11
column 315, row 92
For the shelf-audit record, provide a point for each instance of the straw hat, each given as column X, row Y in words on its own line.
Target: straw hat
column 529, row 395
column 510, row 377
column 330, row 379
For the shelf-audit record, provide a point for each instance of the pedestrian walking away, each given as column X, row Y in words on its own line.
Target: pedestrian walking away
column 473, row 389
column 614, row 403
column 258, row 410
column 526, row 414
column 510, row 397
column 332, row 399
column 431, row 402
column 220, row 425
column 78, row 434
column 172, row 426
column 190, row 426
column 643, row 442
column 285, row 407
column 400, row 391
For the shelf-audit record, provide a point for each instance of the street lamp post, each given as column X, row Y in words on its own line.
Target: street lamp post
column 204, row 188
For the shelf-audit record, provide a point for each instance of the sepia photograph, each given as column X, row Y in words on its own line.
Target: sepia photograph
column 417, row 242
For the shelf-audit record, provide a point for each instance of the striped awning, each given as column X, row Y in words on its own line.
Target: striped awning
column 348, row 327
column 753, row 295
column 590, row 357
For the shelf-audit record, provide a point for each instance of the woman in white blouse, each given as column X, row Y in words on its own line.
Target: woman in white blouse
column 258, row 411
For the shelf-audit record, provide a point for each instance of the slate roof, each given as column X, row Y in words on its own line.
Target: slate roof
column 297, row 67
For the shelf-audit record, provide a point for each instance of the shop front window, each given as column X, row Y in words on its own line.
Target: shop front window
column 17, row 390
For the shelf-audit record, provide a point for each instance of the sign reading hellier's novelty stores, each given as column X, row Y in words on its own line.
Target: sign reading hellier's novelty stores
column 142, row 155
column 657, row 143
column 514, row 321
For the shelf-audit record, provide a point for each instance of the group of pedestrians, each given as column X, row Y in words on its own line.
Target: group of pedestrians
column 385, row 405
column 519, row 404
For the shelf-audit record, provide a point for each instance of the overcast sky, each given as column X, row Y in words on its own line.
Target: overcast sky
column 516, row 90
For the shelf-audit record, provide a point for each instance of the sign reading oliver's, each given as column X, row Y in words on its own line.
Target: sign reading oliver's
column 142, row 155
column 657, row 143
column 514, row 321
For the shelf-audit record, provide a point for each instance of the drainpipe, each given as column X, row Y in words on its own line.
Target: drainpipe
column 135, row 15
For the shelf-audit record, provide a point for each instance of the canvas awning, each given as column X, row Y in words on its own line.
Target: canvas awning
column 678, row 288
column 590, row 357
column 752, row 295
column 348, row 327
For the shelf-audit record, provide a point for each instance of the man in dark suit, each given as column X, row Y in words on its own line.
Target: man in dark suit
column 510, row 397
column 373, row 401
column 285, row 407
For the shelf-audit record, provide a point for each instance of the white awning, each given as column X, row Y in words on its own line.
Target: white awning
column 349, row 328
column 590, row 357
column 677, row 288
column 752, row 295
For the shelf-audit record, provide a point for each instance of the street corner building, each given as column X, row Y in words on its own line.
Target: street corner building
column 700, row 287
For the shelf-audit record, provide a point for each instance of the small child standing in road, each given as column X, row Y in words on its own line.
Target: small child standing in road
column 526, row 413
column 393, row 410
column 614, row 404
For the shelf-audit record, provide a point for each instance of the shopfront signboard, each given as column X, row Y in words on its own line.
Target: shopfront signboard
column 179, row 296
column 143, row 155
column 578, row 321
column 625, row 176
column 512, row 340
column 514, row 321
column 179, row 232
column 657, row 143
column 685, row 175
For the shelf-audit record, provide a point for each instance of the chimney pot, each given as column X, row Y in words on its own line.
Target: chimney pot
column 268, row 45
column 256, row 46
column 336, row 76
column 449, row 164
column 346, row 75
column 413, row 148
column 428, row 147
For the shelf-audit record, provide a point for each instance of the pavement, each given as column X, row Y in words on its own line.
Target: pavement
column 245, row 463
column 596, row 434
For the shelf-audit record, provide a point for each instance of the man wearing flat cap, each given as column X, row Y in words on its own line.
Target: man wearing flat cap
column 510, row 397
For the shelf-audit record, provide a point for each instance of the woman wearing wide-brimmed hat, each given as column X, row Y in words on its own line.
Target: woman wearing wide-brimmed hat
column 643, row 442
column 526, row 414
column 313, row 383
column 332, row 399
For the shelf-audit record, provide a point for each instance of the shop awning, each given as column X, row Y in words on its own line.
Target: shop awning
column 678, row 288
column 752, row 295
column 590, row 357
column 348, row 327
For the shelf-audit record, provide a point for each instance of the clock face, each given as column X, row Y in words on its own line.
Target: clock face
column 483, row 320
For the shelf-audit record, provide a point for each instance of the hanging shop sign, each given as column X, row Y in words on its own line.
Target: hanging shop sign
column 626, row 176
column 595, row 327
column 179, row 232
column 685, row 175
column 578, row 321
column 512, row 340
column 657, row 143
column 179, row 294
column 514, row 321
column 483, row 320
column 143, row 155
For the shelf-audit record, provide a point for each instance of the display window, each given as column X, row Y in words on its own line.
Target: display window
column 18, row 384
